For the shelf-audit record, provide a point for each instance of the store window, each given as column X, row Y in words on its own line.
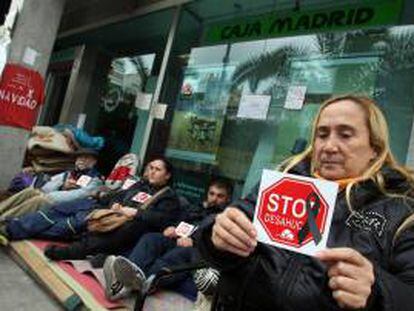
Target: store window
column 242, row 107
column 118, row 113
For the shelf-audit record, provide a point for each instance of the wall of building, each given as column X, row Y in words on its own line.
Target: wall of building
column 40, row 36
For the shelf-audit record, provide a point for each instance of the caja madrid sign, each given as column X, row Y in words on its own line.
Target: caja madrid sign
column 21, row 94
column 294, row 212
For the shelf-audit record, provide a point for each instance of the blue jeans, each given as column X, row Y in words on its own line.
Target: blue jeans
column 155, row 251
column 59, row 221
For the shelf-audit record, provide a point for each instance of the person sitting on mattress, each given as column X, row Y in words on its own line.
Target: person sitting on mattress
column 64, row 187
column 156, row 251
column 162, row 212
column 67, row 220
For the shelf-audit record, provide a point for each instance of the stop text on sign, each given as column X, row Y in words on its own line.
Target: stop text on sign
column 294, row 212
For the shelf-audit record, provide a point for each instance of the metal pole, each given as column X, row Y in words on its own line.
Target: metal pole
column 160, row 80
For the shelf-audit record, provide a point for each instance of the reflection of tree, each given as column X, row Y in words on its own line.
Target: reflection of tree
column 269, row 64
column 395, row 47
column 142, row 71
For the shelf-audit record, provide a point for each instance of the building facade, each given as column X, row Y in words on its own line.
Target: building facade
column 226, row 88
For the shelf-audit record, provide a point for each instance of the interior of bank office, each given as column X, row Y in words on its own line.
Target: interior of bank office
column 229, row 108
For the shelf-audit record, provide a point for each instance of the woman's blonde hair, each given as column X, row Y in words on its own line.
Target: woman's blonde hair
column 379, row 140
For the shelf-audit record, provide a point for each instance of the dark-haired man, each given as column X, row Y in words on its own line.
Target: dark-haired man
column 155, row 251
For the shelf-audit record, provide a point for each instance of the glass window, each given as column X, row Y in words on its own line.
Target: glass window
column 117, row 115
column 205, row 135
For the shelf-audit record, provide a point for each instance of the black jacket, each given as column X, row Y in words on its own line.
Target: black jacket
column 164, row 211
column 277, row 279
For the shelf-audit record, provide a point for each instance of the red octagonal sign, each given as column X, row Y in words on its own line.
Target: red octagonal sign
column 284, row 210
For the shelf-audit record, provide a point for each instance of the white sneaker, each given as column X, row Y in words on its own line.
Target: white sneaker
column 128, row 273
column 114, row 288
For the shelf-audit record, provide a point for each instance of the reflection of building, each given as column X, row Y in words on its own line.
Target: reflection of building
column 125, row 75
column 269, row 47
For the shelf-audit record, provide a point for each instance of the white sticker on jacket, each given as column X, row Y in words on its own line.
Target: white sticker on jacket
column 128, row 183
column 84, row 180
column 141, row 197
column 184, row 229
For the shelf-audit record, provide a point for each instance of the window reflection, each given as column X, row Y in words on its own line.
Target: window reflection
column 375, row 62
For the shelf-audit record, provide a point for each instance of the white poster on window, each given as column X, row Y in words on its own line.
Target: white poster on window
column 159, row 110
column 143, row 100
column 29, row 56
column 254, row 107
column 295, row 97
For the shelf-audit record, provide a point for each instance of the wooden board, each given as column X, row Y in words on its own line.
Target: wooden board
column 69, row 294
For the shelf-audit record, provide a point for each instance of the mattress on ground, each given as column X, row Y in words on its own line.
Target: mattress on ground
column 75, row 290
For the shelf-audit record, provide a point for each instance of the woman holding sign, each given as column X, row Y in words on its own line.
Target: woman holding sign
column 369, row 263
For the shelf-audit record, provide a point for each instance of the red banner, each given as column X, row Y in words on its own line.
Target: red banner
column 21, row 94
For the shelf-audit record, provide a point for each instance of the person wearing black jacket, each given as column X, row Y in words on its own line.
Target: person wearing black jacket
column 164, row 211
column 156, row 251
column 369, row 263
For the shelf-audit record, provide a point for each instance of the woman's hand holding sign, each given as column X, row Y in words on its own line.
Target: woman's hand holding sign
column 351, row 276
column 234, row 232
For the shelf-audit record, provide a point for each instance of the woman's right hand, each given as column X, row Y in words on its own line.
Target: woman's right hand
column 234, row 232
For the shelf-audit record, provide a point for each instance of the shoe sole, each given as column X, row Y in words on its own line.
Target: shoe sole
column 126, row 273
column 107, row 271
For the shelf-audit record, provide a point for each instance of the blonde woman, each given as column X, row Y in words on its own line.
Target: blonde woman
column 370, row 261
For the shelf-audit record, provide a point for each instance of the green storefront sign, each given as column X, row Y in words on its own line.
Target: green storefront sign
column 277, row 24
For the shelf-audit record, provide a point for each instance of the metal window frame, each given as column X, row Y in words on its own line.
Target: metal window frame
column 160, row 80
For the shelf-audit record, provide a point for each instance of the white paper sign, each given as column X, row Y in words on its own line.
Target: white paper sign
column 141, row 197
column 128, row 183
column 29, row 56
column 81, row 120
column 83, row 181
column 158, row 111
column 254, row 107
column 143, row 100
column 294, row 212
column 295, row 97
column 184, row 229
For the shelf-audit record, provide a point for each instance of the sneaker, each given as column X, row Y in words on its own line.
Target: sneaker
column 114, row 288
column 206, row 280
column 129, row 273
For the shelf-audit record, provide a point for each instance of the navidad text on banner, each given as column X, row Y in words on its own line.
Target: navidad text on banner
column 294, row 212
column 21, row 94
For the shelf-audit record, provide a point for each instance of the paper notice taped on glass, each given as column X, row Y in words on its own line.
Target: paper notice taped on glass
column 143, row 100
column 254, row 107
column 158, row 111
column 295, row 97
column 30, row 56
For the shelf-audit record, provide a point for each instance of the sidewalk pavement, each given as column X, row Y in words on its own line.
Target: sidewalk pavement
column 18, row 292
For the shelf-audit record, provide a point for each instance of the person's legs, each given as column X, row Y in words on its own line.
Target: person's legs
column 122, row 275
column 30, row 205
column 52, row 222
column 150, row 247
column 125, row 272
column 177, row 256
column 112, row 242
column 18, row 199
